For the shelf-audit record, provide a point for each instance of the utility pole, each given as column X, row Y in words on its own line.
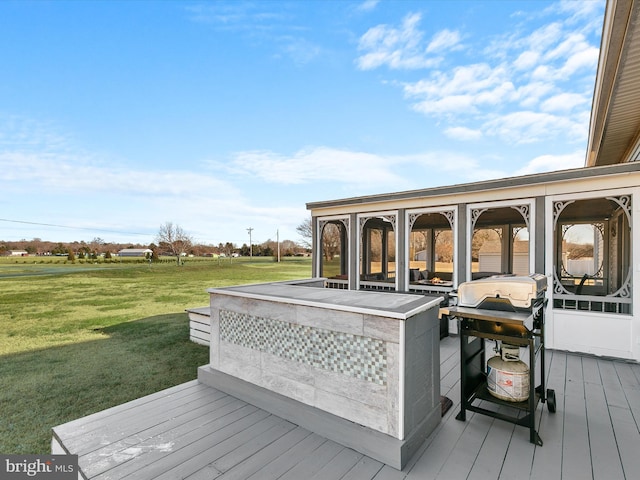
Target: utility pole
column 278, row 241
column 250, row 243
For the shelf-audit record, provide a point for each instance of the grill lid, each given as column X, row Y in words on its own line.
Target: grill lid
column 519, row 291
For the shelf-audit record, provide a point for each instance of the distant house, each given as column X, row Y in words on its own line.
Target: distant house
column 135, row 252
column 491, row 257
column 17, row 253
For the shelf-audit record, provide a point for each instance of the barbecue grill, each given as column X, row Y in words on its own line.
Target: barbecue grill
column 523, row 294
column 507, row 292
column 508, row 309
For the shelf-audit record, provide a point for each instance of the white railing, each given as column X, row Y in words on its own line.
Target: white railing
column 429, row 289
column 336, row 283
column 592, row 303
column 378, row 285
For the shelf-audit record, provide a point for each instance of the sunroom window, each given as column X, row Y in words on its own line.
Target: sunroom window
column 334, row 245
column 500, row 241
column 592, row 268
column 431, row 250
column 378, row 252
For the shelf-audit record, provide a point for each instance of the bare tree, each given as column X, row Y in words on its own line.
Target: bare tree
column 174, row 239
column 305, row 230
column 332, row 240
column 97, row 245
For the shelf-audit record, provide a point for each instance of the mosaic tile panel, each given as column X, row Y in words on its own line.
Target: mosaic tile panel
column 354, row 355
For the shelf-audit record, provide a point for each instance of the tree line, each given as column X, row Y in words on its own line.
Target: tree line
column 38, row 246
column 170, row 240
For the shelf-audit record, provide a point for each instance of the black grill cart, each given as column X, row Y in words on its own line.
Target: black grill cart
column 476, row 326
column 518, row 327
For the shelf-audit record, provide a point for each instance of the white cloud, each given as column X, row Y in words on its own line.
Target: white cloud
column 526, row 60
column 465, row 79
column 403, row 47
column 368, row 5
column 462, row 91
column 444, row 40
column 531, row 80
column 360, row 173
column 579, row 10
column 530, row 94
column 261, row 24
column 528, row 127
column 73, row 173
column 317, row 164
column 463, row 133
column 37, row 156
column 447, row 105
column 545, row 37
column 300, row 50
column 547, row 163
column 449, row 167
column 587, row 58
column 563, row 102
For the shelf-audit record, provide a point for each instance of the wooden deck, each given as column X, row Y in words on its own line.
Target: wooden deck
column 197, row 432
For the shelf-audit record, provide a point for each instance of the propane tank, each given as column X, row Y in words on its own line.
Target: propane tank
column 508, row 376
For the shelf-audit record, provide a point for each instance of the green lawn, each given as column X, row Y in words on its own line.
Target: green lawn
column 79, row 338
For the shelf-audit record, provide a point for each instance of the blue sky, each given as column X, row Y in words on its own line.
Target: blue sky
column 118, row 116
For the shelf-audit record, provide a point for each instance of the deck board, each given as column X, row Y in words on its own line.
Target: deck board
column 602, row 442
column 108, row 456
column 80, row 426
column 519, row 456
column 256, row 462
column 121, row 427
column 576, row 456
column 465, row 452
column 211, row 450
column 217, row 442
column 365, row 468
column 197, row 432
column 289, row 460
column 495, row 446
column 628, row 438
column 146, row 456
column 251, row 446
column 312, row 464
column 547, row 460
column 339, row 466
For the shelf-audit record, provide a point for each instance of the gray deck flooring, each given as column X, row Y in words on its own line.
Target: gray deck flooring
column 197, row 432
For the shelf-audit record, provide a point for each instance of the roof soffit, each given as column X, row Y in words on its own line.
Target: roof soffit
column 615, row 119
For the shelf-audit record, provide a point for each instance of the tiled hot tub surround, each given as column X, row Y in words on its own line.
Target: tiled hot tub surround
column 357, row 356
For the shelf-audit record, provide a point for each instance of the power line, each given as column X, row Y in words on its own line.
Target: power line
column 72, row 227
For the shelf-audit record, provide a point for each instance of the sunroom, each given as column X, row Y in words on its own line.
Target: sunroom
column 574, row 226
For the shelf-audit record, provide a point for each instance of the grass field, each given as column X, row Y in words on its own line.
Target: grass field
column 79, row 338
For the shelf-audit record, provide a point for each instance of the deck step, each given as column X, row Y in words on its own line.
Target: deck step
column 200, row 325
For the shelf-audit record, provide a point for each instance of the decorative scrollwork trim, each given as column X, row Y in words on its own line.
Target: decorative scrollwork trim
column 625, row 290
column 392, row 219
column 412, row 219
column 475, row 214
column 448, row 214
column 524, row 211
column 557, row 284
column 624, row 201
column 558, row 207
column 343, row 221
